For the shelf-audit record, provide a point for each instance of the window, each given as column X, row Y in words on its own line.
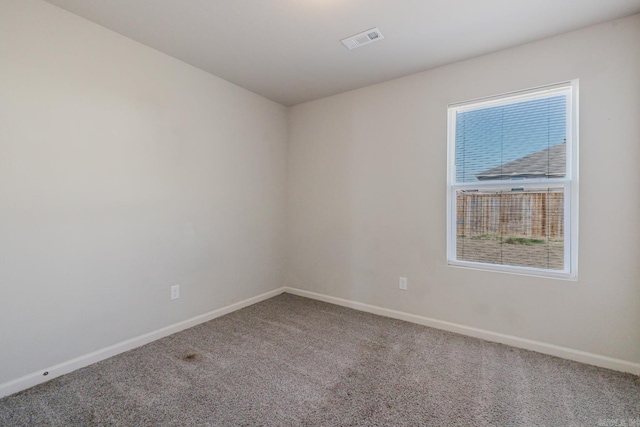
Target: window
column 512, row 182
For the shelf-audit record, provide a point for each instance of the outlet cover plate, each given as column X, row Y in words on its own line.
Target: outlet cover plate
column 175, row 292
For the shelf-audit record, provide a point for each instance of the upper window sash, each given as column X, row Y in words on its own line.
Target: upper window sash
column 566, row 88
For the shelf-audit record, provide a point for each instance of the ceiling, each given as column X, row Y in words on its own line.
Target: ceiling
column 290, row 50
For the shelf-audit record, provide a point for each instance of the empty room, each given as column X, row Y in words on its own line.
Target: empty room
column 319, row 213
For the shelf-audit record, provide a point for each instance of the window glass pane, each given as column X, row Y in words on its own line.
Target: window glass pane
column 515, row 141
column 516, row 227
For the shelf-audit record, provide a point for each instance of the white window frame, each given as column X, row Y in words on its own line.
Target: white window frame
column 569, row 183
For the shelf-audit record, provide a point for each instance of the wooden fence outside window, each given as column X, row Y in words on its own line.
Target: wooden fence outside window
column 534, row 215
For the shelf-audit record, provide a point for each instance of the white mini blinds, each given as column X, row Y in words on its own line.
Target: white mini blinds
column 512, row 182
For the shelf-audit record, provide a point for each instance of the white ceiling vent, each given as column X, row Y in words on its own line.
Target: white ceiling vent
column 366, row 37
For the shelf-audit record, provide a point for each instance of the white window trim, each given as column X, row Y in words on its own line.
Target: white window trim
column 569, row 183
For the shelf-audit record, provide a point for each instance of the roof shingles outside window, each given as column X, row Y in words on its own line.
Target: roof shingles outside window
column 547, row 163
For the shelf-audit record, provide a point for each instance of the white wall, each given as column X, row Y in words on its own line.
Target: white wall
column 367, row 196
column 122, row 172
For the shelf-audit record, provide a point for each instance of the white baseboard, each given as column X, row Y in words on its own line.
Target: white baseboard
column 540, row 347
column 36, row 378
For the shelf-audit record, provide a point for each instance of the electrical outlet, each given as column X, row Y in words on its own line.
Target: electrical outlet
column 175, row 292
column 403, row 283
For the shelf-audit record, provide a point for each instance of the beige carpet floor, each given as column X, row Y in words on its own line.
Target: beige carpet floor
column 291, row 361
